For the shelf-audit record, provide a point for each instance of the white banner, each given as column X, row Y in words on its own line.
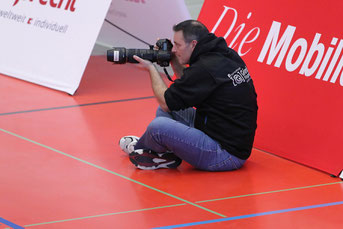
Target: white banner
column 49, row 42
column 144, row 19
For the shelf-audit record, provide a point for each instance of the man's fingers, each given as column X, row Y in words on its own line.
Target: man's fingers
column 142, row 63
column 137, row 58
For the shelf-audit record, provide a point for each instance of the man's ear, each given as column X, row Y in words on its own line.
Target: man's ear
column 194, row 43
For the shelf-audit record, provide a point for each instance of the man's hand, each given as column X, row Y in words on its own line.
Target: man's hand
column 158, row 85
column 143, row 63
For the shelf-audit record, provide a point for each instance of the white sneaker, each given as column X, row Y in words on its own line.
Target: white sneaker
column 127, row 143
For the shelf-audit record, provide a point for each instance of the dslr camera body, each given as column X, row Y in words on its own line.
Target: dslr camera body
column 162, row 56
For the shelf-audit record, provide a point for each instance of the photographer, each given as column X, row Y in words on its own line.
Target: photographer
column 207, row 117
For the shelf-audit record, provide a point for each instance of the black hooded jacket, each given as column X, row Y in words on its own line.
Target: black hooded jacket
column 218, row 84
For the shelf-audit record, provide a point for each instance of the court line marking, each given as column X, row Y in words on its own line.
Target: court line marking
column 77, row 105
column 114, row 173
column 8, row 223
column 177, row 205
column 150, row 187
column 269, row 192
column 102, row 215
column 252, row 215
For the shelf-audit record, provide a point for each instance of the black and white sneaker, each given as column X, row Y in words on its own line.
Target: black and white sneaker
column 148, row 159
column 127, row 143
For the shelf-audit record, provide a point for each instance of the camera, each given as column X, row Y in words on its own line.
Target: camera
column 162, row 56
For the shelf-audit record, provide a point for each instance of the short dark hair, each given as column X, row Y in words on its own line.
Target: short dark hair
column 192, row 30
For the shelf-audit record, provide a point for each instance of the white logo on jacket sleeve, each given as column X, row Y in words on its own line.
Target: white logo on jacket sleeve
column 240, row 76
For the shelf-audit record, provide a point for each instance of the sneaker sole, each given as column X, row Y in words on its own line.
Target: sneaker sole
column 167, row 165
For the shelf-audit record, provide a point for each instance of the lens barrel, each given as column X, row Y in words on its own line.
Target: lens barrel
column 117, row 55
column 162, row 57
column 145, row 54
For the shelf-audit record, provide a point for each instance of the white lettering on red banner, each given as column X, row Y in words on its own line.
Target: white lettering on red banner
column 240, row 28
column 274, row 45
column 277, row 46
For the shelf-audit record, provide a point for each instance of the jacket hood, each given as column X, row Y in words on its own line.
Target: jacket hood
column 209, row 43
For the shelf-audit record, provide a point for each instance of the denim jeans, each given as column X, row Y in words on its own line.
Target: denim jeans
column 175, row 132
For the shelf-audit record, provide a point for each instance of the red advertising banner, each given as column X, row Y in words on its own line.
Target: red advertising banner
column 293, row 50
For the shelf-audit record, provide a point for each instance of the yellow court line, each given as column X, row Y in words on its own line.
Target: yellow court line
column 150, row 187
column 114, row 173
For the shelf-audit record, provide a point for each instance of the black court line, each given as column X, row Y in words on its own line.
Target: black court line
column 78, row 105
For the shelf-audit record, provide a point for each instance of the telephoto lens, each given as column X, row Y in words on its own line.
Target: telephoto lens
column 162, row 56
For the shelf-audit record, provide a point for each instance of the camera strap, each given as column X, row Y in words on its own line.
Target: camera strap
column 168, row 76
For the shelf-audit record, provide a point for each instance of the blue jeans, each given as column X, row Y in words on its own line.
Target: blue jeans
column 175, row 132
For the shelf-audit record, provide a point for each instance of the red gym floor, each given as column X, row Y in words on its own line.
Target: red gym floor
column 61, row 167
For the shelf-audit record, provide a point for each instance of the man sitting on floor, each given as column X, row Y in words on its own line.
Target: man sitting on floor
column 207, row 117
